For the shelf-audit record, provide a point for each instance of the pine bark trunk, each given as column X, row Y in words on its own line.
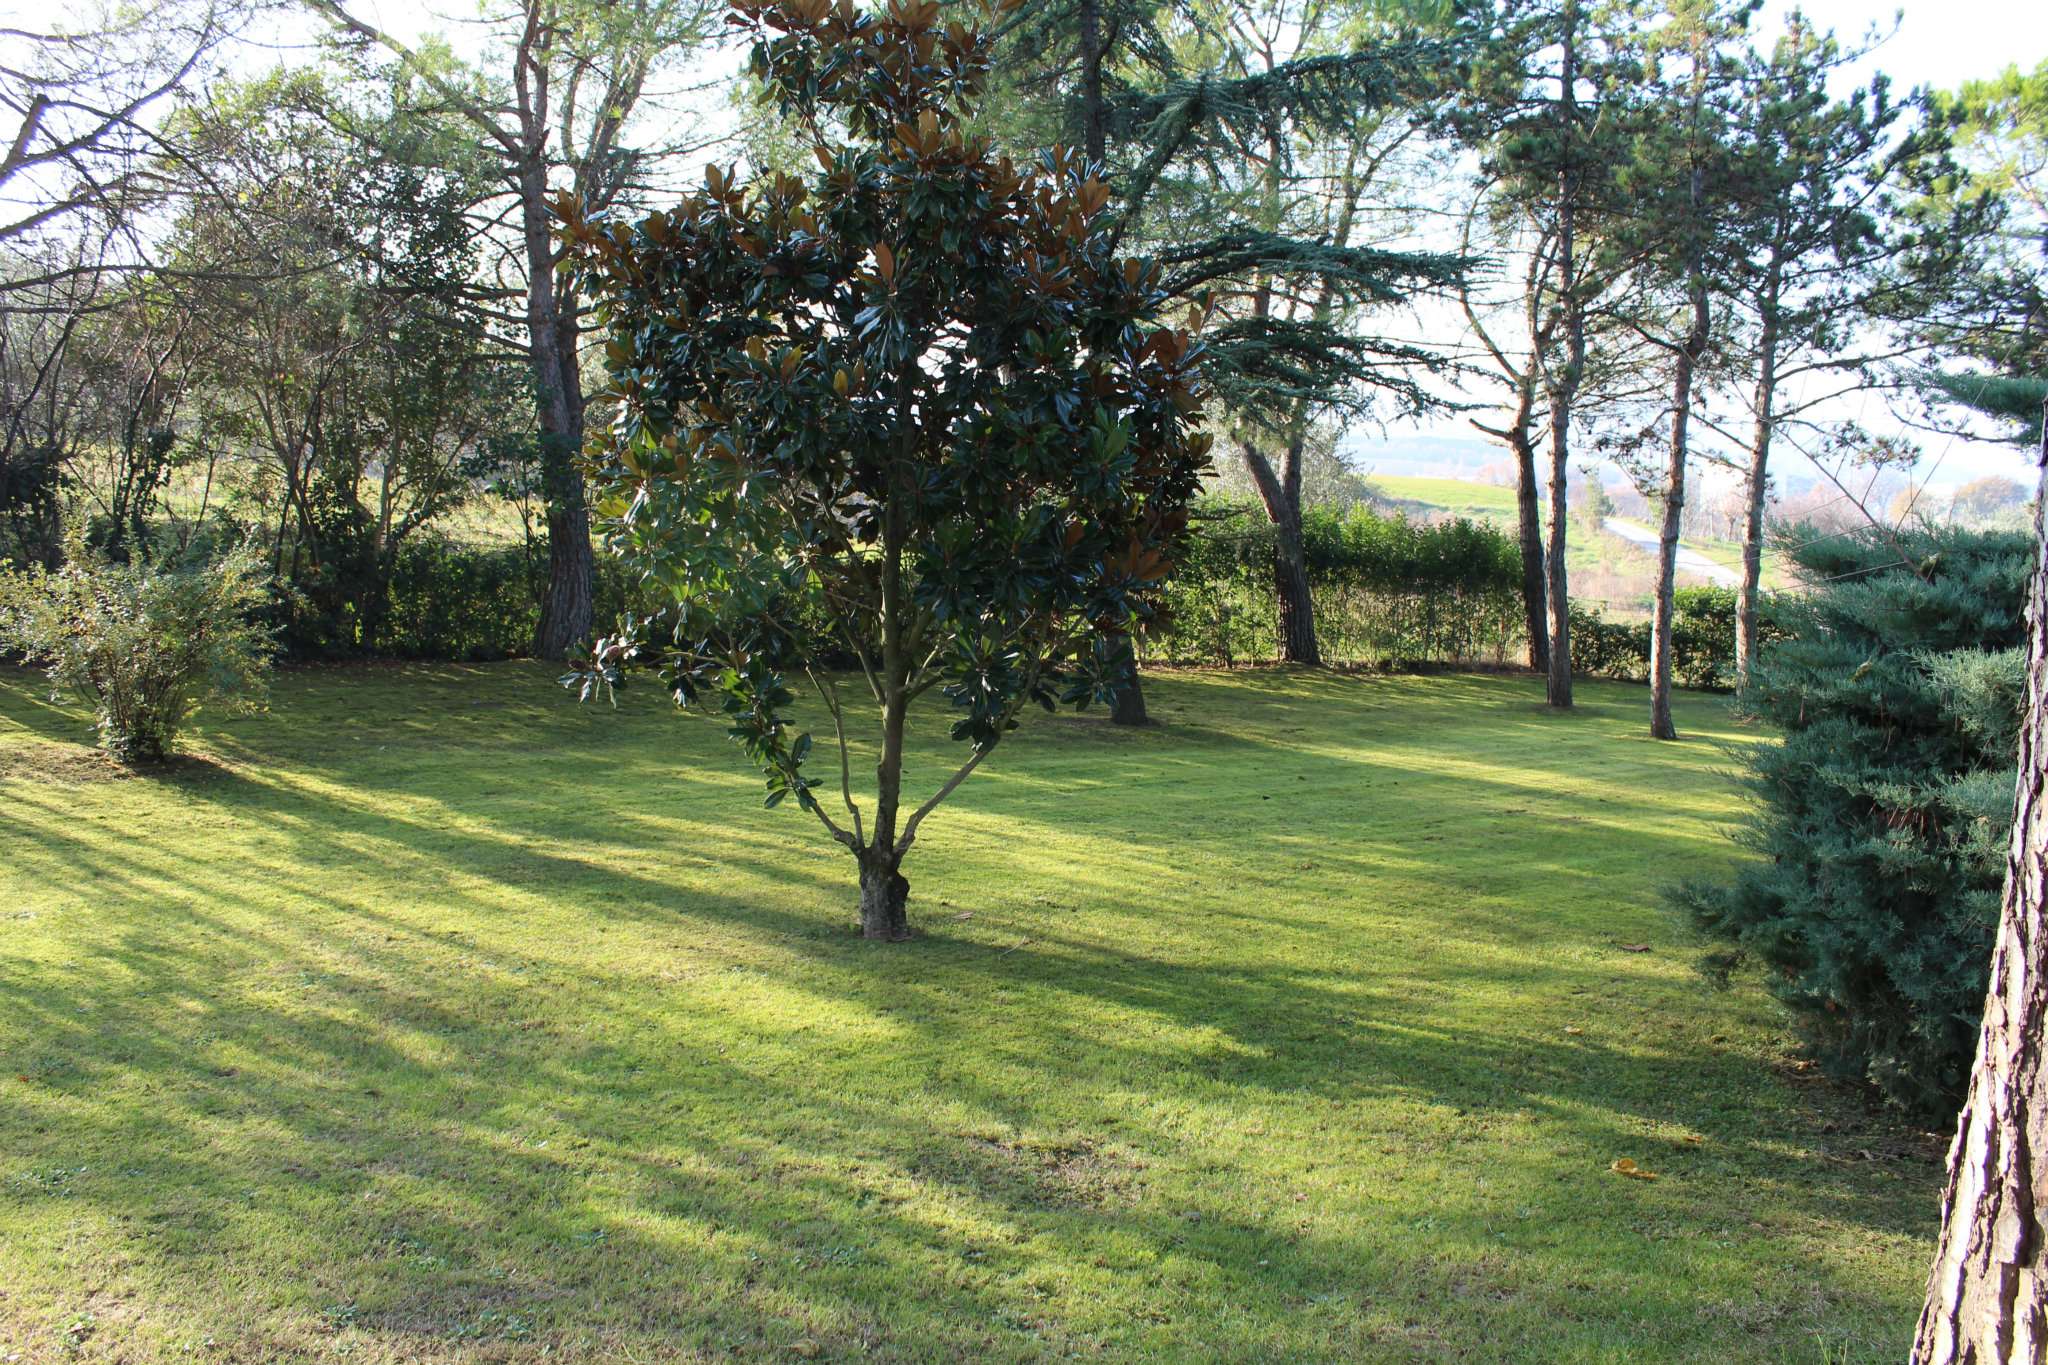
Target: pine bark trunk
column 1563, row 386
column 552, row 332
column 1987, row 1297
column 1558, row 679
column 1293, row 600
column 1764, row 402
column 1530, row 532
column 1687, row 362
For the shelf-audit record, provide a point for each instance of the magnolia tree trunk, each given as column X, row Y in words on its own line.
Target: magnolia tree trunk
column 1987, row 1298
column 1129, row 706
column 884, row 898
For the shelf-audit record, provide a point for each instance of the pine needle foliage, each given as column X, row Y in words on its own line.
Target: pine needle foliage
column 1882, row 814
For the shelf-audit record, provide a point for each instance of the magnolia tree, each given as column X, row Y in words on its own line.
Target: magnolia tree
column 911, row 412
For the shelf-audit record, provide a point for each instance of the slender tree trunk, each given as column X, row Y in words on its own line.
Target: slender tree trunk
column 1688, row 354
column 1759, row 488
column 884, row 892
column 1530, row 531
column 1564, row 387
column 551, row 324
column 1987, row 1297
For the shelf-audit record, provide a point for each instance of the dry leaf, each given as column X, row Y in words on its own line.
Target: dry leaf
column 1635, row 947
column 1626, row 1166
column 1573, row 1029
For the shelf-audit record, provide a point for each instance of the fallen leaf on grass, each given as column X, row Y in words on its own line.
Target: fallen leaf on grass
column 1626, row 1166
column 1635, row 947
column 1573, row 1029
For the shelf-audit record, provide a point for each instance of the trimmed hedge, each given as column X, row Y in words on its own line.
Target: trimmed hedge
column 1702, row 639
column 1387, row 591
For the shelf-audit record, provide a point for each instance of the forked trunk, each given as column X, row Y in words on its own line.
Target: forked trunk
column 1987, row 1297
column 884, row 898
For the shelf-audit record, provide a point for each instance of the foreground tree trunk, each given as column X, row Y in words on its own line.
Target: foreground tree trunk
column 884, row 898
column 1987, row 1297
column 1296, row 607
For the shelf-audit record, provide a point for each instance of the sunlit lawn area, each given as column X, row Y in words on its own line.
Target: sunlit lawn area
column 429, row 1017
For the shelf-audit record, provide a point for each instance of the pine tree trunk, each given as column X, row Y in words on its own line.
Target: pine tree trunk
column 552, row 328
column 1295, row 605
column 1530, row 529
column 1558, row 680
column 1987, row 1298
column 1759, row 488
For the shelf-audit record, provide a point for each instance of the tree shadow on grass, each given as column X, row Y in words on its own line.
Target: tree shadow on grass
column 755, row 1132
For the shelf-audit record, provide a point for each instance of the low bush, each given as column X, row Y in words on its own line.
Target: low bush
column 1883, row 811
column 143, row 645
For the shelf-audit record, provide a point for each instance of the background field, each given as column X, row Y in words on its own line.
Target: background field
column 432, row 1018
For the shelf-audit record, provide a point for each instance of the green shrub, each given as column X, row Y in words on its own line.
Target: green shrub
column 1702, row 639
column 142, row 645
column 1884, row 810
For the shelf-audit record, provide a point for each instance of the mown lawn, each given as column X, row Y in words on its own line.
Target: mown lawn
column 429, row 1017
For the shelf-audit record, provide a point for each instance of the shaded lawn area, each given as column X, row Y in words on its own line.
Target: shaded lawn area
column 429, row 1017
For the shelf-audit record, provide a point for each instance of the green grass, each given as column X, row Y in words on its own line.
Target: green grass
column 429, row 1017
column 1480, row 501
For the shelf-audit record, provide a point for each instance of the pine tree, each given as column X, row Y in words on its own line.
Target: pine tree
column 1242, row 139
column 1883, row 810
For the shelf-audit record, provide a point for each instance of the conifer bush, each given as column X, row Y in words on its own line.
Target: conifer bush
column 1883, row 810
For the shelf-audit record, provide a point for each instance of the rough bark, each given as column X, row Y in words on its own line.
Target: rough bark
column 1529, row 528
column 552, row 333
column 1686, row 362
column 1294, row 605
column 884, row 898
column 1987, row 1296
